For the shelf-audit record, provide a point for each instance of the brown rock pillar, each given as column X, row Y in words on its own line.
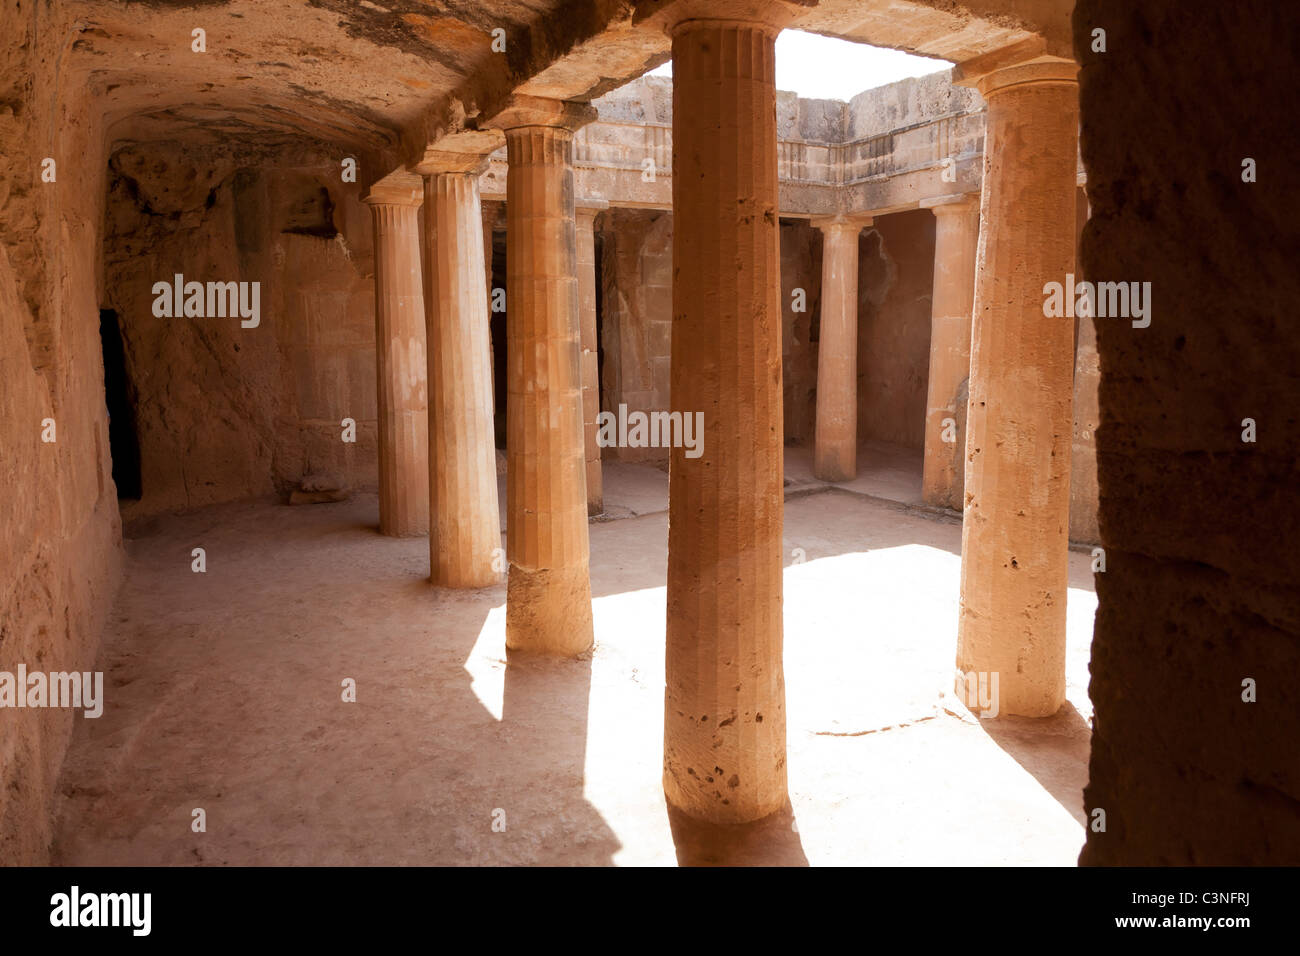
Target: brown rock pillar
column 465, row 530
column 548, row 599
column 835, row 440
column 586, row 221
column 1014, row 533
column 724, row 699
column 956, row 233
column 400, row 362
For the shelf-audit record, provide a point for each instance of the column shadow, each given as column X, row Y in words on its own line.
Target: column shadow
column 542, row 741
column 1054, row 750
column 772, row 841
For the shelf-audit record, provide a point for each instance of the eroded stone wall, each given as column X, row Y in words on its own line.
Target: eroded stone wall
column 801, row 269
column 1200, row 527
column 60, row 537
column 895, row 277
column 222, row 411
column 636, row 317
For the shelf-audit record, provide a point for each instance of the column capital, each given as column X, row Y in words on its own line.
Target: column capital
column 954, row 203
column 589, row 208
column 1017, row 65
column 840, row 223
column 464, row 152
column 437, row 162
column 523, row 110
column 399, row 188
column 772, row 15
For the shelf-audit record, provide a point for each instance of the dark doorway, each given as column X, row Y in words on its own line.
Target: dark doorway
column 497, row 320
column 123, row 445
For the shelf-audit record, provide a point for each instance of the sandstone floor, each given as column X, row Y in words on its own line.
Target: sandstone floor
column 224, row 693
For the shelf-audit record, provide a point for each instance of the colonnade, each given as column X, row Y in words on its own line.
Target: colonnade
column 724, row 732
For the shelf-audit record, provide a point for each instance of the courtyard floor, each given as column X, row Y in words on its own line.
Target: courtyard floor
column 224, row 692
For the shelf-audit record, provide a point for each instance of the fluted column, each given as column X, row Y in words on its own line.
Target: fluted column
column 400, row 362
column 835, row 439
column 724, row 695
column 465, row 529
column 586, row 222
column 548, row 601
column 956, row 232
column 1014, row 533
column 1087, row 407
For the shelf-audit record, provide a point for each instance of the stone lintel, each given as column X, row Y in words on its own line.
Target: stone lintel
column 401, row 187
column 437, row 161
column 591, row 207
column 463, row 152
column 523, row 111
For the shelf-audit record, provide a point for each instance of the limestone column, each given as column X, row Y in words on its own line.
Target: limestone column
column 400, row 361
column 548, row 599
column 1014, row 533
column 465, row 529
column 489, row 217
column 586, row 221
column 956, row 232
column 489, row 225
column 724, row 699
column 1087, row 411
column 835, row 440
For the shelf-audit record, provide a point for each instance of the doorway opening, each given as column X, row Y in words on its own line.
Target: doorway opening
column 119, row 396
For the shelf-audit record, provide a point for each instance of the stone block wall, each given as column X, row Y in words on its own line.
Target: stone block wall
column 636, row 320
column 636, row 317
column 801, row 268
column 60, row 537
column 895, row 276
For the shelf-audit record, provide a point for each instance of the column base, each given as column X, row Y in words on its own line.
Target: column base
column 714, row 800
column 549, row 611
column 835, row 465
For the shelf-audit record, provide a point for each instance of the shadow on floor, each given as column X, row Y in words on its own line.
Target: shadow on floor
column 772, row 841
column 1054, row 750
column 224, row 692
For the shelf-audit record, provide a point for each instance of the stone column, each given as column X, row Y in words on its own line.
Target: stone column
column 400, row 362
column 586, row 220
column 548, row 599
column 1014, row 533
column 956, row 232
column 835, row 441
column 1087, row 410
column 489, row 217
column 465, row 531
column 724, row 699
